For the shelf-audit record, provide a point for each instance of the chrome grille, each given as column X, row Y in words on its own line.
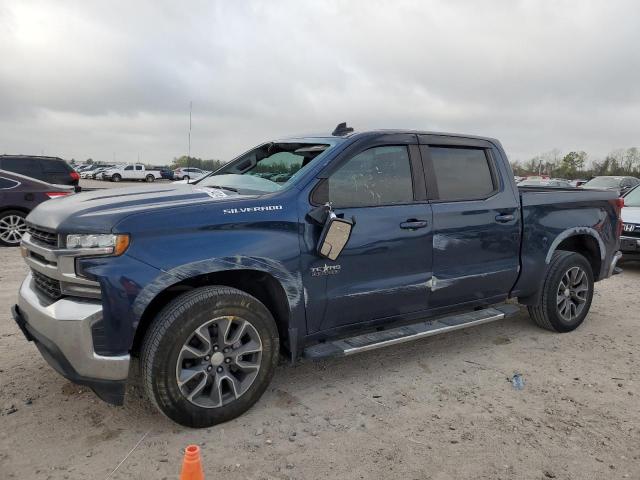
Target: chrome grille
column 50, row 287
column 43, row 236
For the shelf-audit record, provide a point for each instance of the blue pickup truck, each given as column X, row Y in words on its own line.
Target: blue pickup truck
column 304, row 247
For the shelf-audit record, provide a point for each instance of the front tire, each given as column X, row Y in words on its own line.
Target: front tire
column 116, row 177
column 209, row 356
column 566, row 294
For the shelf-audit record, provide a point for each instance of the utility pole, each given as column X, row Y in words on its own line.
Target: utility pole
column 189, row 150
column 190, row 109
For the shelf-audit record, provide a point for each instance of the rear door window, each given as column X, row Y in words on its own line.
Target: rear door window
column 461, row 173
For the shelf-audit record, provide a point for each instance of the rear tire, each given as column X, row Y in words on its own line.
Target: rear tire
column 566, row 294
column 186, row 177
column 150, row 178
column 209, row 356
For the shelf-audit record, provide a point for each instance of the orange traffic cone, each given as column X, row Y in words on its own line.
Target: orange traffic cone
column 191, row 465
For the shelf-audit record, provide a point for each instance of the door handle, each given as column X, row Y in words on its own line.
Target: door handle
column 413, row 224
column 507, row 217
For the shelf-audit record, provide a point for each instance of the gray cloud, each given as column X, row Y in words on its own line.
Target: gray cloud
column 80, row 79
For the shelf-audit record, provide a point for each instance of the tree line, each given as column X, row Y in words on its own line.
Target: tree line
column 576, row 164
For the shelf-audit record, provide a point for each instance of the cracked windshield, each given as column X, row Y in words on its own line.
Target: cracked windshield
column 266, row 169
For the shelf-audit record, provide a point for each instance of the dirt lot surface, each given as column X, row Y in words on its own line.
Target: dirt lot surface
column 441, row 408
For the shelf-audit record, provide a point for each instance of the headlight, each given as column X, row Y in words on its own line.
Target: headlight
column 101, row 243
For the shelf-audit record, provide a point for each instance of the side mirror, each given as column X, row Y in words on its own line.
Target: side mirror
column 334, row 236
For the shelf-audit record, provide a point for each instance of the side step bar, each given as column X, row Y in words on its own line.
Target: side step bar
column 394, row 336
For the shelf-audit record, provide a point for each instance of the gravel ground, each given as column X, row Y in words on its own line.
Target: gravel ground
column 440, row 408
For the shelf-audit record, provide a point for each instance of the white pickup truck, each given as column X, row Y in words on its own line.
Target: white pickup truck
column 135, row 171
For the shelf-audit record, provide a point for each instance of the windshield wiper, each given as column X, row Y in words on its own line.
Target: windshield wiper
column 220, row 187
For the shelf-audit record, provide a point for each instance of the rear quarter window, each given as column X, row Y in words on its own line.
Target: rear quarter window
column 462, row 173
column 54, row 166
column 6, row 183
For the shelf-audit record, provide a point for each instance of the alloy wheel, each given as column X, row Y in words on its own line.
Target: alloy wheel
column 572, row 293
column 219, row 361
column 12, row 227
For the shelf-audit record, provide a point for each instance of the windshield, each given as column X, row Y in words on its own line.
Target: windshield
column 604, row 182
column 265, row 169
column 632, row 199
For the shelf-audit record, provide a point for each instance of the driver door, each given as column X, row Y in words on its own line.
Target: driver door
column 381, row 274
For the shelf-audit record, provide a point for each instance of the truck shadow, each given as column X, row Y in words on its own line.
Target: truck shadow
column 296, row 387
column 630, row 266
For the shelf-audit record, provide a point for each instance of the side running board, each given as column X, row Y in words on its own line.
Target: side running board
column 394, row 336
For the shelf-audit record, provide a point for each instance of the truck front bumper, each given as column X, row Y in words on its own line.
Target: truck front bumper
column 62, row 332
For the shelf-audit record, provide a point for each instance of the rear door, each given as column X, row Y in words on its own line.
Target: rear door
column 476, row 221
column 382, row 272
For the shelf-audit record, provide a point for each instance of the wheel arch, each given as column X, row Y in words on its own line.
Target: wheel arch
column 585, row 241
column 6, row 208
column 262, row 285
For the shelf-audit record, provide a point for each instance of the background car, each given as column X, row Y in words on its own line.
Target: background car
column 188, row 173
column 89, row 170
column 18, row 196
column 166, row 173
column 578, row 182
column 51, row 170
column 537, row 177
column 630, row 238
column 97, row 173
column 555, row 182
column 620, row 183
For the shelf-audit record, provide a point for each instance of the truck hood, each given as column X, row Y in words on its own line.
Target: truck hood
column 631, row 214
column 100, row 210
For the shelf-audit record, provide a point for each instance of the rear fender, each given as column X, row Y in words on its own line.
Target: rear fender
column 534, row 298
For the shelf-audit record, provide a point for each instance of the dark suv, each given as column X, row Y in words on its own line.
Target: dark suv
column 47, row 169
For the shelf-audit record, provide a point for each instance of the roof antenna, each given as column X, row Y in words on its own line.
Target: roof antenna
column 341, row 130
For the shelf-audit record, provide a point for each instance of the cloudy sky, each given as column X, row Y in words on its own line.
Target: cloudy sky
column 114, row 79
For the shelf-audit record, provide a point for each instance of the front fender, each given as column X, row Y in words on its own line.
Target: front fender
column 290, row 282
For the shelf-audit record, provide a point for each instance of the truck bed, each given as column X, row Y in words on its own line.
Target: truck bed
column 550, row 215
